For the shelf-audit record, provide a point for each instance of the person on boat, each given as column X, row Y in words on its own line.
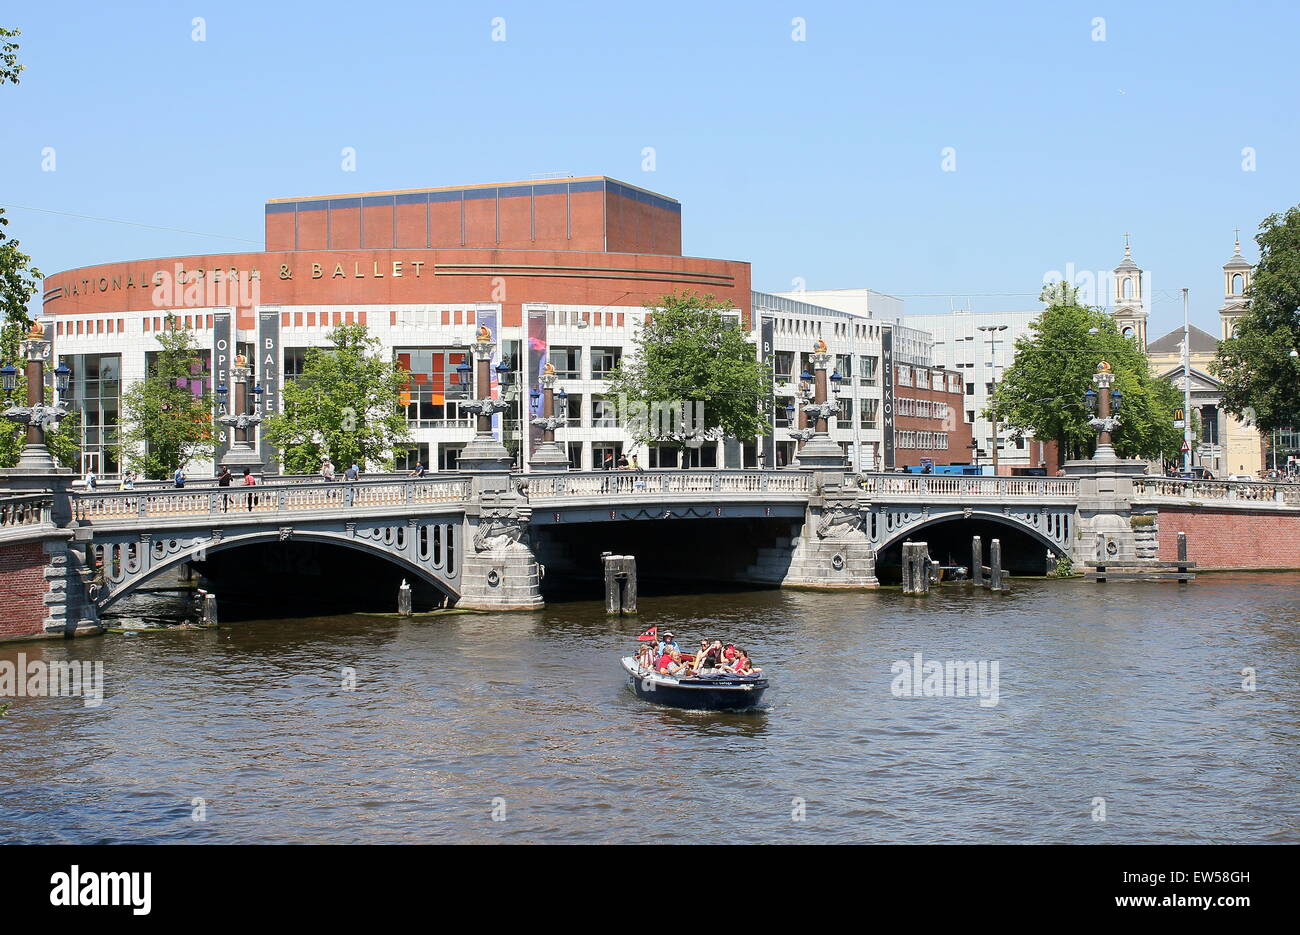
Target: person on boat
column 668, row 644
column 645, row 656
column 730, row 654
column 672, row 663
column 710, row 657
column 743, row 665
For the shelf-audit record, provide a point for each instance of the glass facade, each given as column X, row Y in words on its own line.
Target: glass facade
column 431, row 396
column 96, row 393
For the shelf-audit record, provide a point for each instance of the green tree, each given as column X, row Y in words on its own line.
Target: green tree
column 689, row 354
column 1261, row 378
column 344, row 406
column 165, row 424
column 1043, row 390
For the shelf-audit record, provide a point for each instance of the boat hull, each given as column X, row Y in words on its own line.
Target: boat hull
column 730, row 694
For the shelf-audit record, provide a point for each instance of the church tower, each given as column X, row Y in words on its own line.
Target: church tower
column 1237, row 273
column 1130, row 313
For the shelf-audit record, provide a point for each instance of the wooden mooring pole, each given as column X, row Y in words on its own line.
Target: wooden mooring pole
column 918, row 570
column 620, row 583
column 992, row 576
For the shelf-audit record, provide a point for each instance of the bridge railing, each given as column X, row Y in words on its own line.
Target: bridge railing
column 1221, row 490
column 25, row 510
column 90, row 506
column 658, row 483
column 930, row 485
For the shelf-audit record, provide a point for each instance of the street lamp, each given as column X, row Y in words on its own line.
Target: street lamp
column 1090, row 398
column 36, row 416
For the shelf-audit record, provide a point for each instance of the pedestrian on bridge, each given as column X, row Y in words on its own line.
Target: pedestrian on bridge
column 249, row 481
column 327, row 471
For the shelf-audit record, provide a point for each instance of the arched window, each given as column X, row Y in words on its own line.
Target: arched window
column 1128, row 331
column 1128, row 287
column 1237, row 283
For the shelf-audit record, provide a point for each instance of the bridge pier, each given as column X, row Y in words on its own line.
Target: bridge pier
column 499, row 570
column 830, row 551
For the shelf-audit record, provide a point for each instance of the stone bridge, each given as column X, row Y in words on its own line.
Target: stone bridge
column 67, row 554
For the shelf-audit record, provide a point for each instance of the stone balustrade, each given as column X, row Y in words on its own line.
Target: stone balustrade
column 1177, row 489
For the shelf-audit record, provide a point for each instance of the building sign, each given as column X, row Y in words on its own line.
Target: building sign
column 222, row 357
column 766, row 339
column 887, row 397
column 267, row 372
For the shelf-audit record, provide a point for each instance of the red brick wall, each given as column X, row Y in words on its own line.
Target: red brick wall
column 22, row 583
column 958, row 429
column 1229, row 538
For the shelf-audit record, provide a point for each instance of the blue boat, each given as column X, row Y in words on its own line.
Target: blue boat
column 699, row 693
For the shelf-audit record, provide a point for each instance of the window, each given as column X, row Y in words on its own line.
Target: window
column 1237, row 282
column 432, row 396
column 448, row 455
column 575, row 455
column 782, row 365
column 867, row 413
column 905, row 376
column 970, row 389
column 601, row 451
column 567, row 362
column 845, row 418
column 294, row 358
column 96, row 389
column 867, row 370
column 603, row 361
column 406, row 456
column 844, row 367
column 783, row 420
column 970, row 415
column 661, row 456
column 604, row 413
column 574, row 412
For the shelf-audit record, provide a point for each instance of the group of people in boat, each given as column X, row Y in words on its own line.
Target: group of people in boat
column 663, row 655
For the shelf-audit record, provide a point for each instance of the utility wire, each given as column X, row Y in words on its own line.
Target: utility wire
column 87, row 217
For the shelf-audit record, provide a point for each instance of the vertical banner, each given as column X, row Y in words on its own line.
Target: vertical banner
column 267, row 373
column 222, row 357
column 537, row 354
column 486, row 315
column 766, row 338
column 887, row 397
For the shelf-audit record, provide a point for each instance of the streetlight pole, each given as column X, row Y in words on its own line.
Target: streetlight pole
column 821, row 451
column 991, row 331
column 1187, row 390
column 485, row 452
column 548, row 456
column 36, row 416
column 243, row 452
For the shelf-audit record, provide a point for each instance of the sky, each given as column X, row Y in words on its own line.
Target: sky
column 949, row 153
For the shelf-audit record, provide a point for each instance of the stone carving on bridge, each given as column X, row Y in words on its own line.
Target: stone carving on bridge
column 285, row 533
column 501, row 528
column 838, row 521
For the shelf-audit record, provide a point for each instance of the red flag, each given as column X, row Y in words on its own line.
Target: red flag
column 649, row 636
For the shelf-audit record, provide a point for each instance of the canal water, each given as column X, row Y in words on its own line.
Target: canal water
column 1120, row 717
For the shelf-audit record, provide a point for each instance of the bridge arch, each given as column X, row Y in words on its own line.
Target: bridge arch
column 146, row 564
column 902, row 533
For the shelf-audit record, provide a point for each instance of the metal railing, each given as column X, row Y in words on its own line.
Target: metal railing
column 90, row 506
column 1221, row 490
column 658, row 483
column 975, row 485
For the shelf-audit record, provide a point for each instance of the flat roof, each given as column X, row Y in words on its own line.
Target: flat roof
column 462, row 188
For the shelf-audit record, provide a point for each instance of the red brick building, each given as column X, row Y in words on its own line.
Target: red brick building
column 928, row 419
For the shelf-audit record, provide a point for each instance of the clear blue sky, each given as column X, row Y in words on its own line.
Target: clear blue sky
column 818, row 159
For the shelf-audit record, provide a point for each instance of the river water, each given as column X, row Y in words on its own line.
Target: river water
column 1121, row 701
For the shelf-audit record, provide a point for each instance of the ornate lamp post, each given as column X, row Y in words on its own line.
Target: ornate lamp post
column 1104, row 403
column 549, row 456
column 485, row 452
column 804, row 433
column 242, row 452
column 37, row 416
column 820, row 451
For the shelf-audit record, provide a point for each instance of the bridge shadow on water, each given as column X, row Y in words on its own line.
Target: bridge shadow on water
column 950, row 544
column 273, row 580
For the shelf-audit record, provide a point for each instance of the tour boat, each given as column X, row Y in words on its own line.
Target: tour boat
column 701, row 693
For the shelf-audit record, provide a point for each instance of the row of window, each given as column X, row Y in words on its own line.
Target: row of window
column 937, row 380
column 922, row 408
column 925, row 441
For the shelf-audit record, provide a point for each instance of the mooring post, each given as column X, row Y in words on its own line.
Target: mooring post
column 909, row 586
column 629, row 584
column 976, row 561
column 209, row 614
column 1182, row 550
column 404, row 599
column 997, row 576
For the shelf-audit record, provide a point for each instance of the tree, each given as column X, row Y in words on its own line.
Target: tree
column 1259, row 374
column 1043, row 390
column 165, row 424
column 693, row 376
column 344, row 406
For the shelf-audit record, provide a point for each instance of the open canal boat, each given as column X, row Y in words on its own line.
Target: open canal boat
column 702, row 693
